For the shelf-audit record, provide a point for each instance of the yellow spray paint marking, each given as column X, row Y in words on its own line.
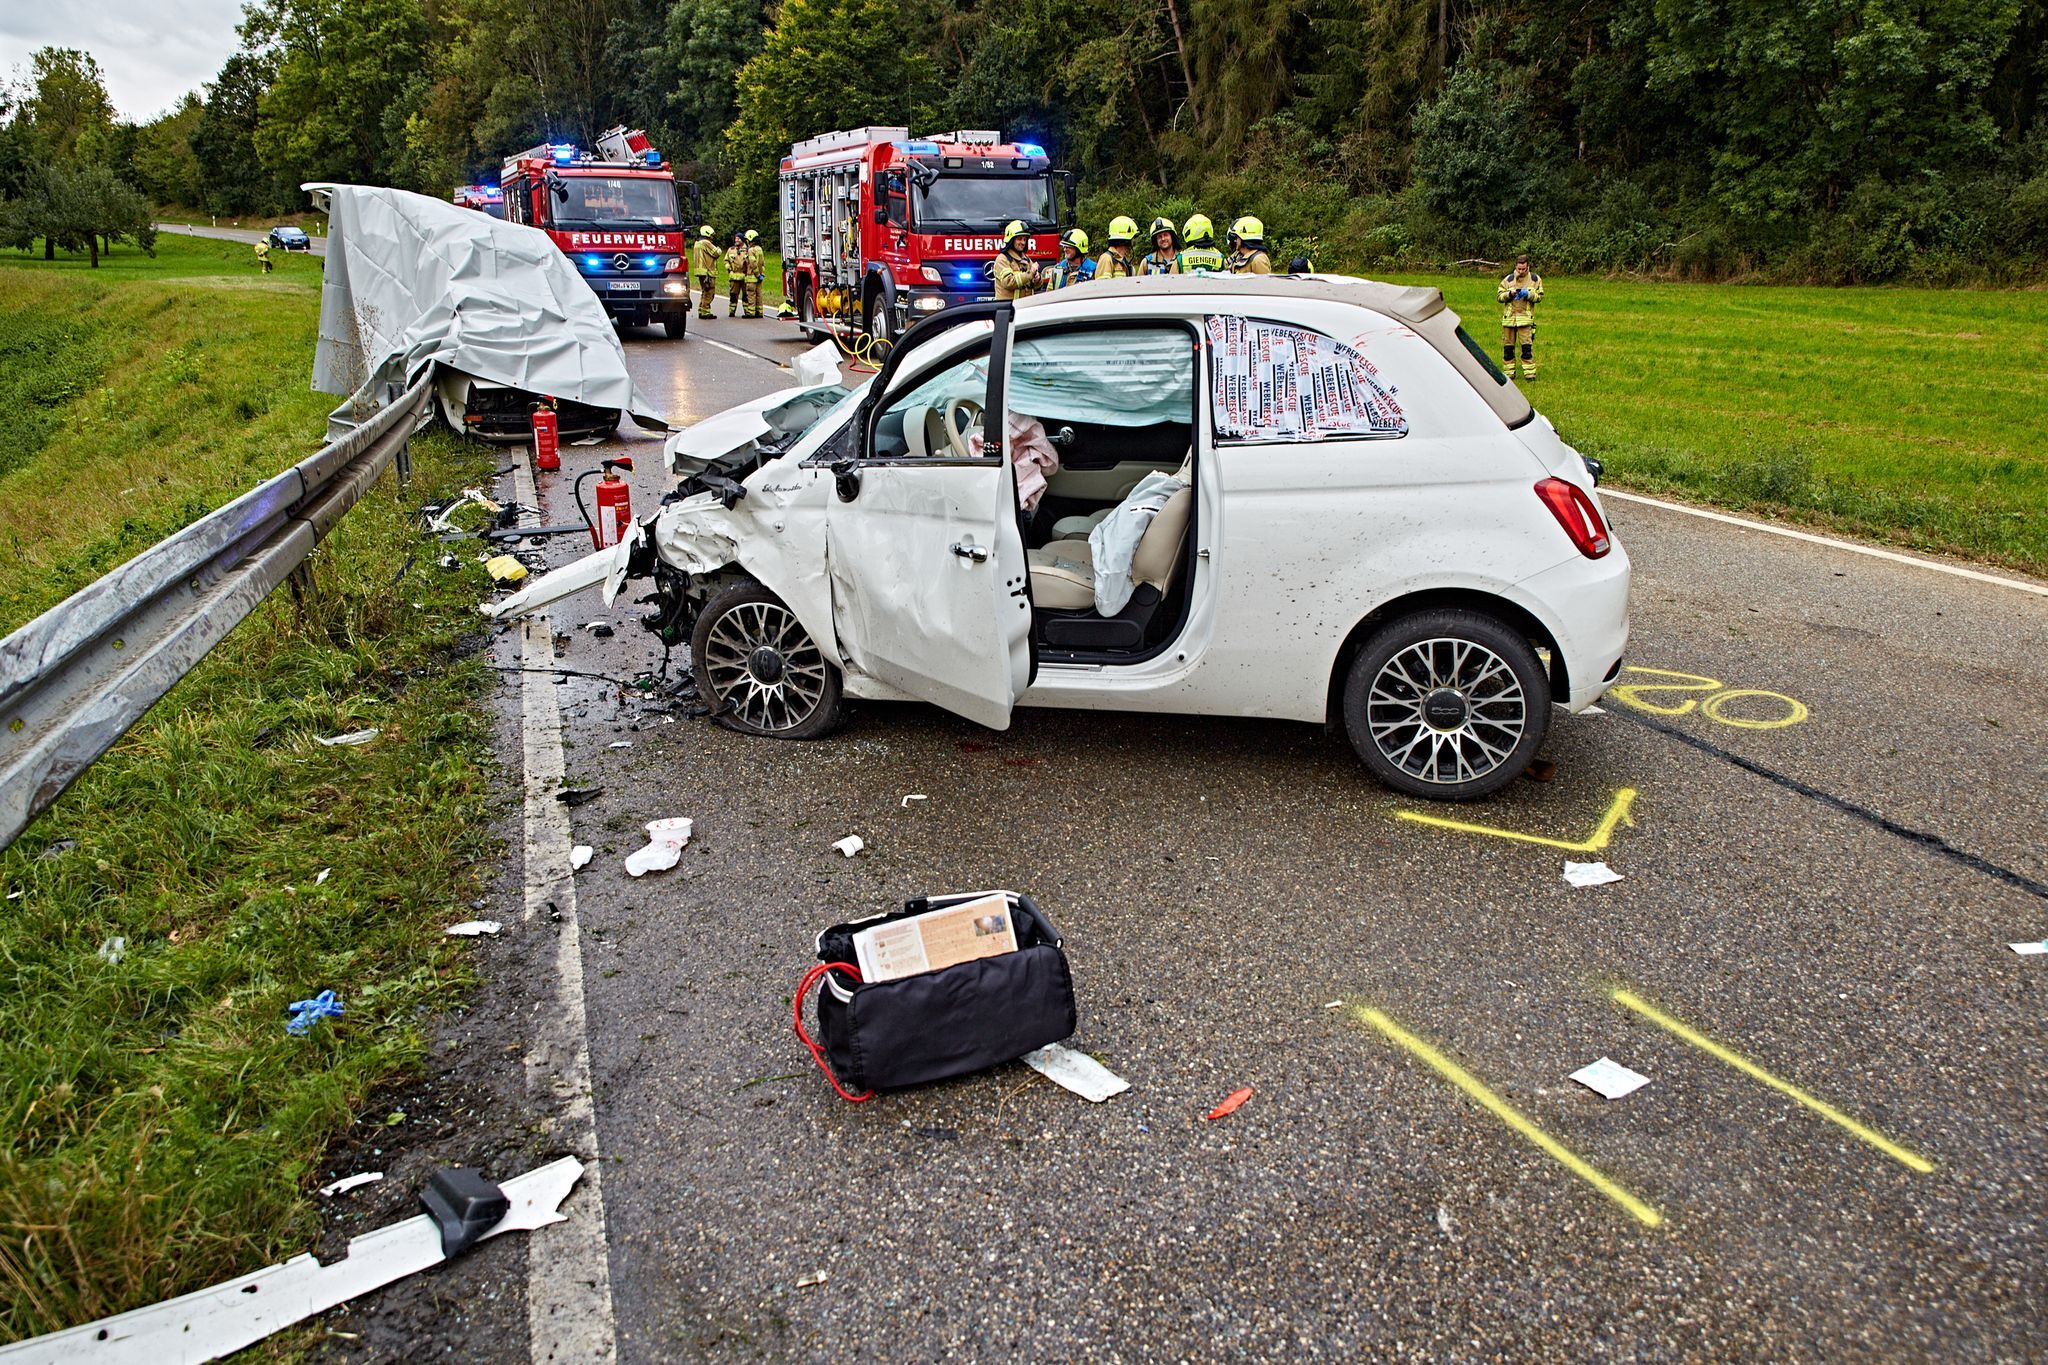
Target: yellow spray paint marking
column 1712, row 703
column 1750, row 1069
column 1512, row 1117
column 1616, row 815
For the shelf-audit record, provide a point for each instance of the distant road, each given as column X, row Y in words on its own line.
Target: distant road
column 249, row 235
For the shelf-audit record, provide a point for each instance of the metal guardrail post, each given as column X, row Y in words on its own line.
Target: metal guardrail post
column 75, row 679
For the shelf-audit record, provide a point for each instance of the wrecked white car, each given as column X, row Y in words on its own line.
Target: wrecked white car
column 1307, row 499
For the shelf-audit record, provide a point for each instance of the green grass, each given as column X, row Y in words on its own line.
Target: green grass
column 1915, row 416
column 159, row 1130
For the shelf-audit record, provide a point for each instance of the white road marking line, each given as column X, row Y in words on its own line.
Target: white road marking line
column 743, row 351
column 1873, row 551
column 568, row 1269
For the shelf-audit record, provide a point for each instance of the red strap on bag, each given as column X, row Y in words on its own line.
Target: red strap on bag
column 812, row 978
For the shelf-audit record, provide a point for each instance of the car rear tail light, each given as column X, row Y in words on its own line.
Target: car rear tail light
column 1575, row 512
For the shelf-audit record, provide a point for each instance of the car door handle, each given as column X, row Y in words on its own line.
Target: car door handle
column 970, row 551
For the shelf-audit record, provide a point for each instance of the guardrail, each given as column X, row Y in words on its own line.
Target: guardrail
column 75, row 679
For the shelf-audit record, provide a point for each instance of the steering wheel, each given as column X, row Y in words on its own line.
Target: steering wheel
column 957, row 430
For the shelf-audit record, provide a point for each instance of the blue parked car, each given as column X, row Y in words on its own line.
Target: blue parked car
column 290, row 239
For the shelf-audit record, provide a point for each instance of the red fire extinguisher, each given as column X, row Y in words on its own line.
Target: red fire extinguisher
column 547, row 436
column 614, row 503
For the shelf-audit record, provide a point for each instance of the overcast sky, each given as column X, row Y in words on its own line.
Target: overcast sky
column 152, row 51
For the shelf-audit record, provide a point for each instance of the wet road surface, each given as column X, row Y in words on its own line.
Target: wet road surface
column 1825, row 851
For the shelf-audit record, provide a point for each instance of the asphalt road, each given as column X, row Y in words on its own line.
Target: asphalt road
column 1827, row 901
column 234, row 234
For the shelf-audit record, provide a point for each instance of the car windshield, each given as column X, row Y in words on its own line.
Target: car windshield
column 985, row 201
column 615, row 201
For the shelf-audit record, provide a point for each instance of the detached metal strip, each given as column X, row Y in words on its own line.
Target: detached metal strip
column 75, row 679
column 210, row 1323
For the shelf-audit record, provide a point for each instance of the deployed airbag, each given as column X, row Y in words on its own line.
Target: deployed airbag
column 412, row 281
column 1121, row 377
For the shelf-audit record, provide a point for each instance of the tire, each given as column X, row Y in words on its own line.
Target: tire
column 676, row 325
column 806, row 311
column 1417, row 675
column 879, row 320
column 760, row 671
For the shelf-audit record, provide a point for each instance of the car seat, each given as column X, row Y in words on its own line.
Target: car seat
column 1063, row 582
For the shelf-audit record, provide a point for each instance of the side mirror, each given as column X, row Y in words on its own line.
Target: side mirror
column 846, row 480
column 1072, row 184
column 882, row 213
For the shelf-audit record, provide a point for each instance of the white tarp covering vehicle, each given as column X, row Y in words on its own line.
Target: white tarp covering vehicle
column 1309, row 499
column 411, row 280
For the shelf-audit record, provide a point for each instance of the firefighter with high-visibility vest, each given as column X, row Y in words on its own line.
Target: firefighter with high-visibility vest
column 1117, row 262
column 1073, row 266
column 753, row 270
column 1248, row 248
column 704, row 262
column 1198, row 253
column 1519, row 294
column 1015, row 274
column 263, row 255
column 735, row 273
column 1164, row 257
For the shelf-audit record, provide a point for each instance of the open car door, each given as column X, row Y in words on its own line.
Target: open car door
column 930, row 589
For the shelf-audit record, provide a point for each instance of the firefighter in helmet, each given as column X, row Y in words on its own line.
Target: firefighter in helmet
column 754, row 267
column 1198, row 253
column 1248, row 248
column 263, row 255
column 1164, row 257
column 1519, row 294
column 1015, row 273
column 1073, row 266
column 1118, row 261
column 735, row 273
column 704, row 256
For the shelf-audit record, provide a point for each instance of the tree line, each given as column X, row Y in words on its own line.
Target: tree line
column 1831, row 140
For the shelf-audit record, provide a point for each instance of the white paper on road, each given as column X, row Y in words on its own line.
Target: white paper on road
column 850, row 845
column 1589, row 874
column 1610, row 1079
column 473, row 928
column 664, row 849
column 412, row 280
column 580, row 856
column 2029, row 949
column 1076, row 1071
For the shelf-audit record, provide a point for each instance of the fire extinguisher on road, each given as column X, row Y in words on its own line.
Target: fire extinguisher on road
column 614, row 503
column 547, row 436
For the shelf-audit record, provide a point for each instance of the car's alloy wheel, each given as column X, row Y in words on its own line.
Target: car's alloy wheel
column 1450, row 705
column 760, row 669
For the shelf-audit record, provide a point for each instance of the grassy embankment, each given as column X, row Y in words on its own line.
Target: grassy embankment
column 1907, row 415
column 157, row 1126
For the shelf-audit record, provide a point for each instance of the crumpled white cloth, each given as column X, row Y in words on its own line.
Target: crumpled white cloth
column 1114, row 541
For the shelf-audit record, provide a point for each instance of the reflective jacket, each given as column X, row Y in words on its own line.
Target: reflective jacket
column 1015, row 276
column 1069, row 272
column 753, row 263
column 1156, row 264
column 1110, row 266
column 1249, row 261
column 1200, row 258
column 1519, row 312
column 704, row 256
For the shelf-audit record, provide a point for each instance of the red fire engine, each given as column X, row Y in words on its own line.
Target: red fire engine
column 880, row 229
column 483, row 198
column 615, row 214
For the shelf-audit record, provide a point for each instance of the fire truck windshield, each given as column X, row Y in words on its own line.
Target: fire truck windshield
column 615, row 201
column 985, row 201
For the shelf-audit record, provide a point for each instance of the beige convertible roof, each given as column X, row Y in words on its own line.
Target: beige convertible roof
column 1420, row 306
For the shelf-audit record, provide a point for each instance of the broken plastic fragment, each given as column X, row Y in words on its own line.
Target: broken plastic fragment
column 914, row 796
column 1589, row 874
column 352, row 737
column 349, row 1182
column 2023, row 949
column 1076, row 1071
column 505, row 568
column 473, row 928
column 816, row 1277
column 113, row 950
column 665, row 840
column 1231, row 1103
column 850, row 845
column 1610, row 1079
column 324, row 874
column 580, row 856
column 622, row 744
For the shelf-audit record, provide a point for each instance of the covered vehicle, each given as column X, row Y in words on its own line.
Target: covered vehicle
column 1309, row 499
column 290, row 239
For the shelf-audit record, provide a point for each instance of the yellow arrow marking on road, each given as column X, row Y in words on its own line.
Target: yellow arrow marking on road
column 1511, row 1116
column 1630, row 1000
column 1617, row 814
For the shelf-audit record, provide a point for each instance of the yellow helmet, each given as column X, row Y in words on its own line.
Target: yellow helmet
column 1122, row 229
column 752, row 235
column 1076, row 239
column 1198, row 229
column 1012, row 230
column 704, row 231
column 1160, row 225
column 1248, row 229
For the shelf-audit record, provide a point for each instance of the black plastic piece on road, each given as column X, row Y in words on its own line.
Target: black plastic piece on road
column 1933, row 843
column 463, row 1205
